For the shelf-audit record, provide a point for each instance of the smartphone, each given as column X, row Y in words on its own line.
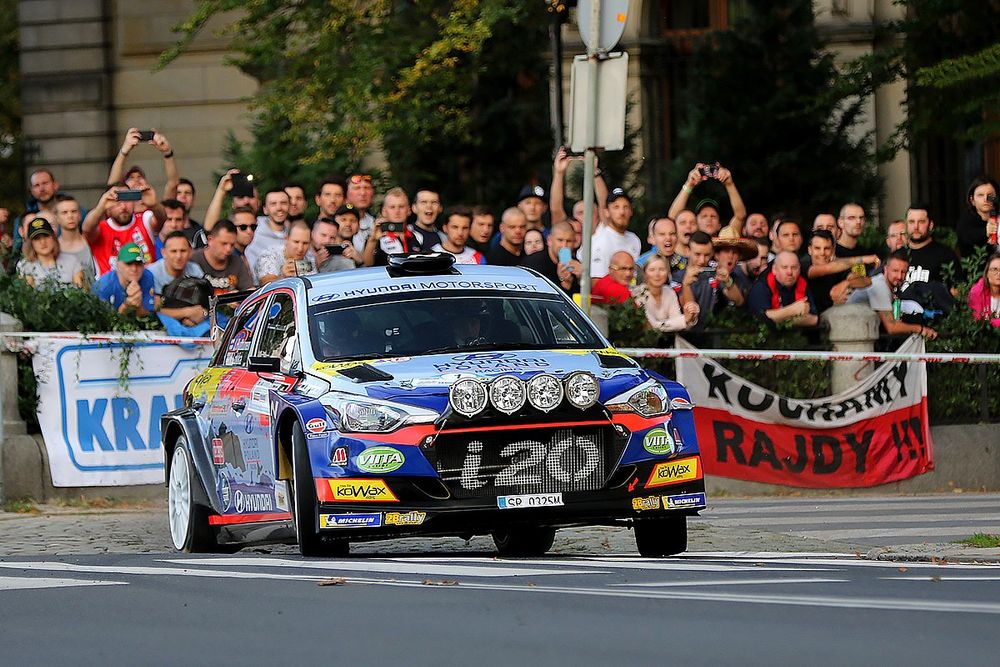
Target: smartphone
column 301, row 267
column 335, row 249
column 710, row 170
column 394, row 227
column 242, row 185
column 859, row 270
column 146, row 135
column 565, row 255
column 708, row 273
column 130, row 195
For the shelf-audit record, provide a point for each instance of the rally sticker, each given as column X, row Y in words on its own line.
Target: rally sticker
column 658, row 442
column 218, row 452
column 647, row 503
column 411, row 518
column 529, row 500
column 350, row 520
column 684, row 500
column 355, row 491
column 674, row 472
column 339, row 457
column 316, row 425
column 378, row 460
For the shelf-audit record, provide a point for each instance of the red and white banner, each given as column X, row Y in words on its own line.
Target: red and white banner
column 876, row 433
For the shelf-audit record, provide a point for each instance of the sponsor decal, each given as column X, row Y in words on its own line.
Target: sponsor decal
column 339, row 457
column 281, row 496
column 218, row 409
column 316, row 425
column 226, row 492
column 680, row 403
column 380, row 460
column 359, row 491
column 426, row 285
column 248, row 424
column 647, row 503
column 674, row 472
column 678, row 443
column 684, row 500
column 350, row 520
column 565, row 458
column 492, row 363
column 529, row 500
column 218, row 452
column 658, row 442
column 254, row 503
column 411, row 518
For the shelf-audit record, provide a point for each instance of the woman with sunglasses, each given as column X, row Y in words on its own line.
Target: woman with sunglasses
column 43, row 266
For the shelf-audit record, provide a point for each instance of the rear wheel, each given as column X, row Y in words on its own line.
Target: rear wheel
column 189, row 529
column 662, row 536
column 524, row 541
column 304, row 503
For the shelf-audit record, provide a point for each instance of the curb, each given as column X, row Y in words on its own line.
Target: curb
column 961, row 557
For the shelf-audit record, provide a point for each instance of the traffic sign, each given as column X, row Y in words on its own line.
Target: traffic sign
column 614, row 13
column 612, row 87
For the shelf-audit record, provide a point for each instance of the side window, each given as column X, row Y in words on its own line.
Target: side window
column 236, row 347
column 562, row 329
column 278, row 337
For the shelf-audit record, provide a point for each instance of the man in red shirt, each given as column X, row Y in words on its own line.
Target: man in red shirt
column 112, row 223
column 614, row 287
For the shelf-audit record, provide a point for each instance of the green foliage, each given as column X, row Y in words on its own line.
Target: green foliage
column 453, row 93
column 11, row 179
column 758, row 103
column 981, row 540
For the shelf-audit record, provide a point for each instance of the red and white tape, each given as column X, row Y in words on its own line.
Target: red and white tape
column 810, row 355
column 137, row 337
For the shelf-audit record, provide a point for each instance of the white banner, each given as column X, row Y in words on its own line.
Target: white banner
column 98, row 432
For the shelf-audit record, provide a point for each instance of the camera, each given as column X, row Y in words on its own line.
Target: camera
column 394, row 227
column 146, row 135
column 992, row 199
column 335, row 249
column 708, row 273
column 710, row 170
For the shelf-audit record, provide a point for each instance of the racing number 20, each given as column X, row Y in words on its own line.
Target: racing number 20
column 530, row 459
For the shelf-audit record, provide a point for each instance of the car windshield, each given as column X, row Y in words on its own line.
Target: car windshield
column 416, row 326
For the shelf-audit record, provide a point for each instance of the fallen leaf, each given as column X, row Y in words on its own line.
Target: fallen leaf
column 333, row 581
column 443, row 582
column 935, row 578
column 903, row 569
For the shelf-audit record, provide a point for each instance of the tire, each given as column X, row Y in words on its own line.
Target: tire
column 524, row 541
column 304, row 503
column 189, row 529
column 663, row 536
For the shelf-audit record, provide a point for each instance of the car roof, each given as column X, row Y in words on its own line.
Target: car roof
column 360, row 283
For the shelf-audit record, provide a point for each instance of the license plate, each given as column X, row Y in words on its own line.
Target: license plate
column 529, row 500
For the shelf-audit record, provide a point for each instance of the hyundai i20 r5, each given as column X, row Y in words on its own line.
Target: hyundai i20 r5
column 424, row 398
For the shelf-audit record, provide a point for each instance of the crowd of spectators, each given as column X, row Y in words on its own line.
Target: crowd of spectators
column 143, row 253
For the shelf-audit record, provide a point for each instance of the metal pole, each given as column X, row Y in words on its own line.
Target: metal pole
column 588, row 161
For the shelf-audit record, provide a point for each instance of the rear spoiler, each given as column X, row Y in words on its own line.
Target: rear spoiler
column 216, row 300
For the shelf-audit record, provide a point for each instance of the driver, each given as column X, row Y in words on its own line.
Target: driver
column 465, row 322
column 341, row 335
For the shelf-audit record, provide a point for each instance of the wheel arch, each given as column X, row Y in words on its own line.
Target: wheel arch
column 286, row 409
column 185, row 422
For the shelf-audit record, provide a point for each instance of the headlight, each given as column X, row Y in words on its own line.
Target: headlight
column 648, row 399
column 582, row 389
column 545, row 392
column 507, row 394
column 467, row 397
column 354, row 414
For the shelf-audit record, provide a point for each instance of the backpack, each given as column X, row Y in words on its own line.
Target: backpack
column 186, row 291
column 933, row 297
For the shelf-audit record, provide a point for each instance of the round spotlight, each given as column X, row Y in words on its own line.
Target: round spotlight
column 582, row 389
column 467, row 397
column 545, row 392
column 507, row 394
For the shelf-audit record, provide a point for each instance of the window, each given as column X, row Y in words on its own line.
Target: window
column 236, row 346
column 278, row 337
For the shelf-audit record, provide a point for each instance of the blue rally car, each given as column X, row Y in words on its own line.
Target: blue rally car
column 425, row 398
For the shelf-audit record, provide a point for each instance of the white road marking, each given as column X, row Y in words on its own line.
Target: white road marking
column 946, row 499
column 397, row 566
column 52, row 566
column 926, row 531
column 730, row 582
column 874, row 508
column 867, row 519
column 943, row 577
column 25, row 583
column 680, row 565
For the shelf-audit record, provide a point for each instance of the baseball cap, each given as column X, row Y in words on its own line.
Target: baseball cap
column 130, row 253
column 531, row 191
column 706, row 202
column 347, row 209
column 616, row 194
column 39, row 227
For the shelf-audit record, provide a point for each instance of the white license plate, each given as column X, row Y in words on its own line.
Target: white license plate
column 529, row 500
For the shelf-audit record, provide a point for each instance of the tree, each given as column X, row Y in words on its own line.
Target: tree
column 11, row 177
column 452, row 92
column 757, row 105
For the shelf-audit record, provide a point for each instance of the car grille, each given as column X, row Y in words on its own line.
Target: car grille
column 491, row 463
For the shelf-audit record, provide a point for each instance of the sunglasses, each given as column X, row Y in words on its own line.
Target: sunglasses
column 243, row 228
column 360, row 178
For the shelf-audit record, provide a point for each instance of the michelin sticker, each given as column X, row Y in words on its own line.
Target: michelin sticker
column 684, row 500
column 350, row 520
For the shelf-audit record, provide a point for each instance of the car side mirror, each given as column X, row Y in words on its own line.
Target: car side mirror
column 264, row 364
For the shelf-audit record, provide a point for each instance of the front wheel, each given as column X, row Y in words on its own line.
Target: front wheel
column 304, row 503
column 524, row 541
column 662, row 536
column 189, row 529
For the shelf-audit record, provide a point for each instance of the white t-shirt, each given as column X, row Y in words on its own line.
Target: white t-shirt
column 467, row 256
column 264, row 239
column 605, row 243
column 161, row 278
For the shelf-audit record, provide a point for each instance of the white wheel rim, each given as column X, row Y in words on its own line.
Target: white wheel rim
column 179, row 498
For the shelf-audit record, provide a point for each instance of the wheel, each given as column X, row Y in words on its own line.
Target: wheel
column 189, row 529
column 524, row 541
column 304, row 504
column 663, row 536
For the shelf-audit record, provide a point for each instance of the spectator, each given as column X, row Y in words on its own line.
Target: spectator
column 708, row 209
column 360, row 193
column 700, row 282
column 482, row 229
column 984, row 297
column 128, row 287
column 348, row 221
column 246, row 198
column 663, row 237
column 557, row 206
column 549, row 264
column 225, row 271
column 395, row 210
column 186, row 195
column 531, row 201
column 659, row 301
column 44, row 188
column 851, row 223
column 71, row 241
column 296, row 201
column 729, row 251
column 326, row 236
column 756, row 226
column 176, row 263
column 974, row 227
column 831, row 280
column 613, row 236
column 290, row 259
column 895, row 237
column 135, row 177
column 615, row 285
column 456, row 230
column 426, row 208
column 534, row 241
column 687, row 224
column 886, row 288
column 6, row 239
column 245, row 221
column 929, row 258
column 513, row 226
column 783, row 295
column 112, row 224
column 43, row 265
column 271, row 235
column 787, row 237
column 827, row 222
column 758, row 264
column 183, row 309
column 176, row 221
column 330, row 196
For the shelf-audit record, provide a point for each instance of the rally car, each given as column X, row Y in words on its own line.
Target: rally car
column 425, row 398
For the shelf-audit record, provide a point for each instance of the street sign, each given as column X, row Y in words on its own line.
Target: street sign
column 614, row 13
column 612, row 87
